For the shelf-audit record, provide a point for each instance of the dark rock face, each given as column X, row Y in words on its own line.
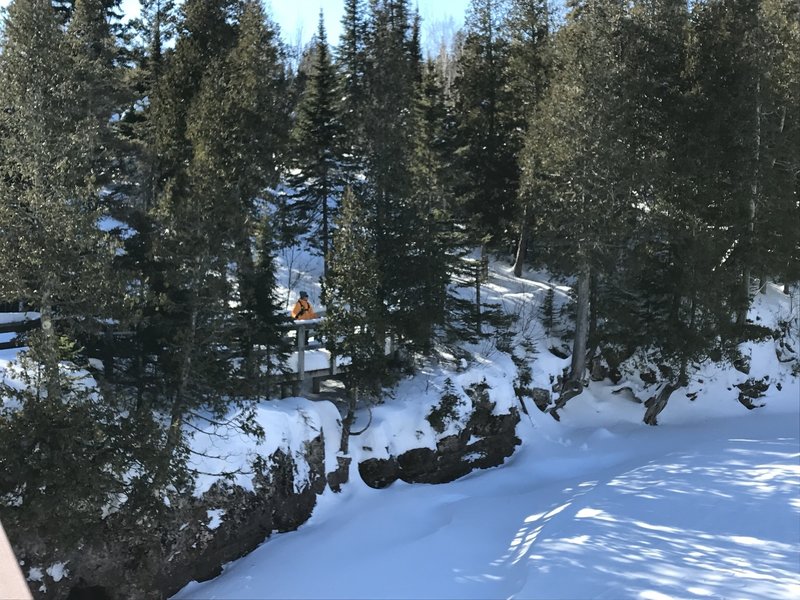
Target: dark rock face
column 486, row 441
column 751, row 390
column 542, row 398
column 132, row 563
column 339, row 477
column 379, row 472
column 136, row 561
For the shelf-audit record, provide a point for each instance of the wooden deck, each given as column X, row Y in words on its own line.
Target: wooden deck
column 309, row 360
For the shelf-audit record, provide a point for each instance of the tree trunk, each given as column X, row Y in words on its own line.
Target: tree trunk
column 741, row 317
column 347, row 422
column 178, row 406
column 247, row 296
column 50, row 341
column 578, row 366
column 478, row 316
column 658, row 403
column 522, row 245
column 683, row 377
column 592, row 335
column 325, row 232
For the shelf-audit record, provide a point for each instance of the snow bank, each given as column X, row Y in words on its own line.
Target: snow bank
column 221, row 450
column 400, row 424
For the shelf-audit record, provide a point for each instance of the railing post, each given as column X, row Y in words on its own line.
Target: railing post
column 478, row 316
column 301, row 346
column 108, row 353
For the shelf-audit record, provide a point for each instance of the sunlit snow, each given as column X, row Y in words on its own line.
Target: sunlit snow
column 598, row 505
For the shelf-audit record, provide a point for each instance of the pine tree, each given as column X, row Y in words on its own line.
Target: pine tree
column 779, row 214
column 355, row 311
column 54, row 257
column 264, row 316
column 317, row 141
column 217, row 128
column 487, row 144
column 391, row 128
column 639, row 298
column 98, row 80
column 153, row 30
column 436, row 241
column 728, row 61
column 528, row 26
column 351, row 67
column 575, row 161
column 53, row 251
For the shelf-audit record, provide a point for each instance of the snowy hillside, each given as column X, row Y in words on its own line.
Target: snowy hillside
column 597, row 505
column 685, row 511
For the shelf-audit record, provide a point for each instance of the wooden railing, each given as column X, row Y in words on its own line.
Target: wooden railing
column 108, row 346
column 21, row 325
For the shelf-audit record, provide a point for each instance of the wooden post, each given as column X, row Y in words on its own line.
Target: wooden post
column 478, row 317
column 108, row 353
column 301, row 348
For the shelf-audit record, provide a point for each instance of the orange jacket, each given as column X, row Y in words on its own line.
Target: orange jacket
column 302, row 311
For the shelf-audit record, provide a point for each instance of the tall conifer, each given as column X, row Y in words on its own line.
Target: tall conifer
column 487, row 142
column 575, row 157
column 317, row 139
column 54, row 258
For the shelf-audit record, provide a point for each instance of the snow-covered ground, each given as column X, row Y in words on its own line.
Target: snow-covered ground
column 686, row 510
column 598, row 505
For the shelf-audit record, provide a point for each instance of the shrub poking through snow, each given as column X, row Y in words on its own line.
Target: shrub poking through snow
column 481, row 402
column 447, row 411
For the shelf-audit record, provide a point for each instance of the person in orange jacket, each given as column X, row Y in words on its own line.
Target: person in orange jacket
column 302, row 310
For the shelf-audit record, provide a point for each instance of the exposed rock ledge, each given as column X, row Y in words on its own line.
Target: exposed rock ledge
column 485, row 441
column 130, row 563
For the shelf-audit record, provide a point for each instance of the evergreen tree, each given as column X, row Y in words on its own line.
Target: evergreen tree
column 640, row 299
column 437, row 241
column 575, row 163
column 264, row 317
column 218, row 116
column 487, row 144
column 355, row 310
column 96, row 75
column 719, row 68
column 351, row 66
column 316, row 137
column 392, row 129
column 175, row 251
column 54, row 445
column 779, row 213
column 53, row 250
column 153, row 30
column 528, row 26
column 255, row 140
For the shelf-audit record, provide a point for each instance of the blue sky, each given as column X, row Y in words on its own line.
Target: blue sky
column 298, row 18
